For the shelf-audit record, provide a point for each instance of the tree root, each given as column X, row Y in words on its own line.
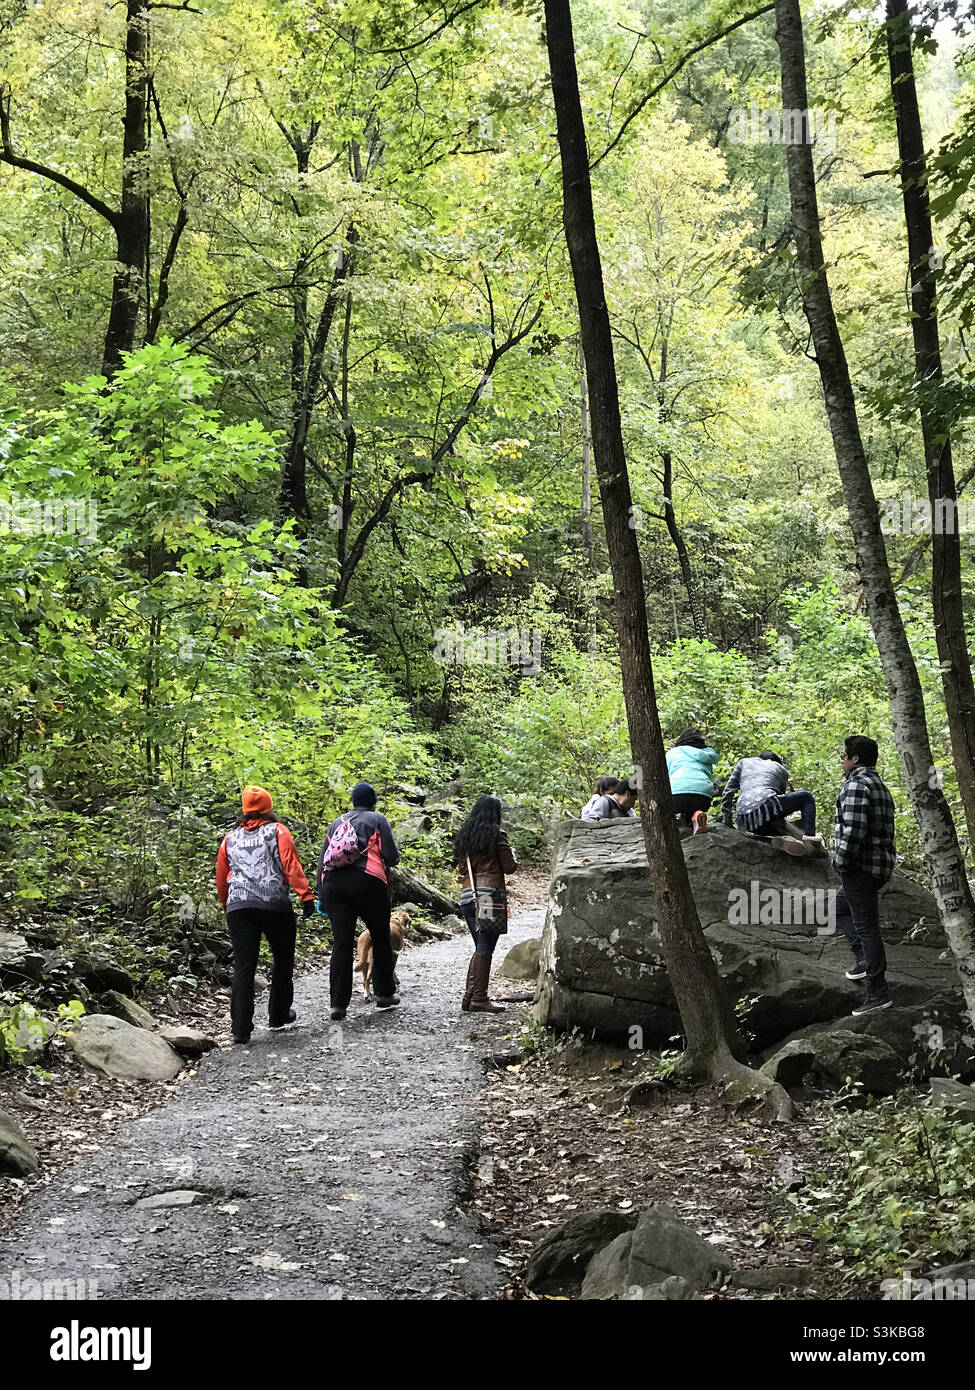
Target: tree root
column 739, row 1084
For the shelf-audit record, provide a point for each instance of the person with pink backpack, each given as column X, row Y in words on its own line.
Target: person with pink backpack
column 353, row 882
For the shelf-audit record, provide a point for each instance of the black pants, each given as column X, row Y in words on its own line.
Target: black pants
column 247, row 925
column 348, row 894
column 686, row 803
column 858, row 914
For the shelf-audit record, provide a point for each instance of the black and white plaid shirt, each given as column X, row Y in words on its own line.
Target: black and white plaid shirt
column 863, row 834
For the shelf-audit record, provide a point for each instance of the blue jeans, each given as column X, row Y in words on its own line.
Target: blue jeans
column 484, row 941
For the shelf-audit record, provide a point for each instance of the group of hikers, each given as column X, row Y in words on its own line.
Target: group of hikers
column 258, row 865
column 758, row 798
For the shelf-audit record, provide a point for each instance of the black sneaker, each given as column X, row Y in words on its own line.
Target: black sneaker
column 871, row 1006
column 336, row 1015
column 859, row 972
column 292, row 1016
column 388, row 1001
column 243, row 1040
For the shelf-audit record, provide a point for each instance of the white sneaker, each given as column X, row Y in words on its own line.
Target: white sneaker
column 789, row 844
column 871, row 1006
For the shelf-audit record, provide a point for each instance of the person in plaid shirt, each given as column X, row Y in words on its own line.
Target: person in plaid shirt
column 864, row 858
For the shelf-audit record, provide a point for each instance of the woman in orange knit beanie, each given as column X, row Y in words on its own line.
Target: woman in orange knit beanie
column 255, row 866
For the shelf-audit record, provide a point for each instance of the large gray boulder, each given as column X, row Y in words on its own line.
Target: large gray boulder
column 831, row 1058
column 18, row 1157
column 955, row 1098
column 661, row 1258
column 929, row 1038
column 116, row 1048
column 128, row 1010
column 18, row 961
column 558, row 1263
column 601, row 965
column 521, row 962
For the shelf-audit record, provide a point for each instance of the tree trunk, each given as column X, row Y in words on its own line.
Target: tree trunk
column 132, row 222
column 587, row 540
column 949, row 613
column 680, row 545
column 713, row 1041
column 936, row 827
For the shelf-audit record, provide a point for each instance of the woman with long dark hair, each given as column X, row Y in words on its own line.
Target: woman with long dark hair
column 482, row 854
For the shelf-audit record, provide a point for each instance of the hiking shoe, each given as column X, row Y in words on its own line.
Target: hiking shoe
column 336, row 1015
column 789, row 843
column 388, row 1001
column 292, row 1016
column 699, row 821
column 859, row 972
column 243, row 1040
column 871, row 1006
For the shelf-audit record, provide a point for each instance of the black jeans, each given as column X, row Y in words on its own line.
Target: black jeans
column 686, row 803
column 858, row 914
column 347, row 895
column 247, row 925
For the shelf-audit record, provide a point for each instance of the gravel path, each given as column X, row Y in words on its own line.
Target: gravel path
column 328, row 1160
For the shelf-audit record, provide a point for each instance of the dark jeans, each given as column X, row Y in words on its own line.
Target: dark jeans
column 803, row 802
column 247, row 925
column 347, row 895
column 484, row 940
column 858, row 915
column 686, row 803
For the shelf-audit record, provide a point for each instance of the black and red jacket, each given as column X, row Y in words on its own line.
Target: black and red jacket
column 375, row 836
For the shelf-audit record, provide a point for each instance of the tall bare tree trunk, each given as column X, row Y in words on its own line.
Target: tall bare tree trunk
column 935, row 825
column 132, row 222
column 946, row 589
column 713, row 1041
column 680, row 545
column 587, row 540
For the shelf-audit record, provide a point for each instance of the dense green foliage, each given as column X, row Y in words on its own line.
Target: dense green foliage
column 897, row 1194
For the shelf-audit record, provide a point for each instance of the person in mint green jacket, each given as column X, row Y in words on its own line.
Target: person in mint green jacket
column 691, row 766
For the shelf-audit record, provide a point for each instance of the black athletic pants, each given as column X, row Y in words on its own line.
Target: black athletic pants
column 347, row 895
column 686, row 803
column 247, row 925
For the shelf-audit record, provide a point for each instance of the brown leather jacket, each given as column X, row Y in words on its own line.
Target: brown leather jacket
column 490, row 869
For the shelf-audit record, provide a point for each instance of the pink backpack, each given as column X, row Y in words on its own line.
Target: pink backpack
column 343, row 847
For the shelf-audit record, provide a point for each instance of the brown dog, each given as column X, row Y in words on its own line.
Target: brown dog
column 398, row 922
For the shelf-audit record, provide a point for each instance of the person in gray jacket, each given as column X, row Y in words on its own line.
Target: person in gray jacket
column 761, row 787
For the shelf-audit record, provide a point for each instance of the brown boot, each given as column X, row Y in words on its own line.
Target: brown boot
column 480, row 1003
column 469, row 988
